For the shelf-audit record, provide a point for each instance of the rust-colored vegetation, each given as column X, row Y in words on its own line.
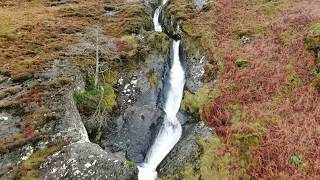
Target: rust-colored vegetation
column 273, row 96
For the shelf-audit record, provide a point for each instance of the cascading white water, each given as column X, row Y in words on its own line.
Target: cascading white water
column 156, row 16
column 157, row 25
column 171, row 130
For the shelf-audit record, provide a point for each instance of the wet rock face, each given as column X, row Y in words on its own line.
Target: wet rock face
column 134, row 132
column 86, row 161
column 140, row 114
column 195, row 64
column 186, row 151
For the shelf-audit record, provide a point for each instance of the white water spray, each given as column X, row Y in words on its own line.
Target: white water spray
column 157, row 25
column 156, row 17
column 171, row 130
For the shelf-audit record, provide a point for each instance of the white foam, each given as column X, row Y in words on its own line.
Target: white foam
column 171, row 130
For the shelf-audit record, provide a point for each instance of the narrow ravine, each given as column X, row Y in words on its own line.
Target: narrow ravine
column 171, row 130
column 156, row 19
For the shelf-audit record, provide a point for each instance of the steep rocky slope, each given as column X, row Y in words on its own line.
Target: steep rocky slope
column 252, row 71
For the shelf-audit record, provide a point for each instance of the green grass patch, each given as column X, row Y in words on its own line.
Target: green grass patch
column 236, row 113
column 263, row 30
column 89, row 100
column 214, row 163
column 292, row 81
column 313, row 37
column 272, row 7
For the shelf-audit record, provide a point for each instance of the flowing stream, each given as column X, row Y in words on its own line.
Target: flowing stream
column 171, row 130
column 156, row 17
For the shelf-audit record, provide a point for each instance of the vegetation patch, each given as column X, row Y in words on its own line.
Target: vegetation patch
column 260, row 103
column 313, row 37
column 158, row 41
column 29, row 169
column 93, row 97
column 193, row 103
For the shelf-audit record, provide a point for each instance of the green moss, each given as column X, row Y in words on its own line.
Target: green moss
column 214, row 165
column 29, row 169
column 109, row 98
column 296, row 159
column 60, row 82
column 315, row 85
column 134, row 17
column 242, row 144
column 128, row 46
column 180, row 9
column 292, row 81
column 313, row 37
column 88, row 101
column 185, row 173
column 130, row 164
column 236, row 113
column 242, row 63
column 263, row 30
column 153, row 79
column 315, row 27
column 272, row 7
column 111, row 77
column 193, row 103
column 284, row 39
column 7, row 26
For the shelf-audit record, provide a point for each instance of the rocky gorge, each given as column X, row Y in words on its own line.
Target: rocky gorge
column 84, row 88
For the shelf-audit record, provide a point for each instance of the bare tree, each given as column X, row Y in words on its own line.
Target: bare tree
column 94, row 44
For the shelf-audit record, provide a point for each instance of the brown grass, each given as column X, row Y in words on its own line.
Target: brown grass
column 274, row 90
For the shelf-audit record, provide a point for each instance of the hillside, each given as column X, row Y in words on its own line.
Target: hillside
column 84, row 86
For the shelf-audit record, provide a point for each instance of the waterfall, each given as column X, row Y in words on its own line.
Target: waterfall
column 156, row 17
column 171, row 130
column 157, row 25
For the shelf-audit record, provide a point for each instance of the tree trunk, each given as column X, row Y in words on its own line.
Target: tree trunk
column 96, row 79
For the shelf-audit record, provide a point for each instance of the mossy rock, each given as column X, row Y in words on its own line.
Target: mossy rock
column 60, row 82
column 175, row 13
column 29, row 169
column 193, row 103
column 211, row 164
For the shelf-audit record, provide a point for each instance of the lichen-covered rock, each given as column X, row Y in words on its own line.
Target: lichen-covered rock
column 195, row 63
column 86, row 161
column 201, row 4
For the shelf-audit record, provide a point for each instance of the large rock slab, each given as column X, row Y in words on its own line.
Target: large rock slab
column 86, row 161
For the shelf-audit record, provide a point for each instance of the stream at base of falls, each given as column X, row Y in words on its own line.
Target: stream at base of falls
column 171, row 130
